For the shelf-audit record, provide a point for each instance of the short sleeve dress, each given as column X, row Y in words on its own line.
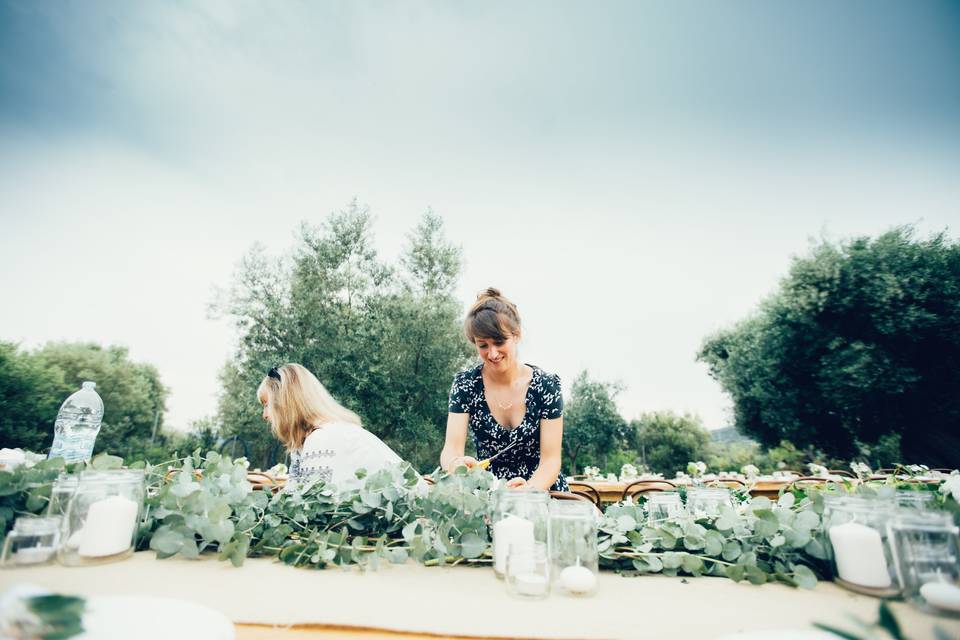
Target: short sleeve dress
column 544, row 400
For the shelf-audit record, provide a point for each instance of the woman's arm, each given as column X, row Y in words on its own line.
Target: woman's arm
column 456, row 439
column 551, row 439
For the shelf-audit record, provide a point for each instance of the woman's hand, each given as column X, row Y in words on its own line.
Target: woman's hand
column 516, row 483
column 462, row 461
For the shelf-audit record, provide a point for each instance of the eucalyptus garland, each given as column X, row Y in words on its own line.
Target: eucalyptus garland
column 205, row 503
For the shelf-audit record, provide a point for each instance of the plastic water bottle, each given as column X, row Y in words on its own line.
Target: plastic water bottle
column 78, row 424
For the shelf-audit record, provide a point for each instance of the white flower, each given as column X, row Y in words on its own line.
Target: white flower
column 917, row 469
column 697, row 468
column 861, row 469
column 749, row 470
column 818, row 470
column 951, row 486
column 591, row 472
column 628, row 471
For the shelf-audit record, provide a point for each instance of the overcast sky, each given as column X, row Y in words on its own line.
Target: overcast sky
column 635, row 175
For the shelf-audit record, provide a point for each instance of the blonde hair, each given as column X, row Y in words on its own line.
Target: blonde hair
column 298, row 404
column 492, row 317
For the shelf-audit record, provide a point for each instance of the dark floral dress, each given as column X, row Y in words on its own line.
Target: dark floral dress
column 544, row 402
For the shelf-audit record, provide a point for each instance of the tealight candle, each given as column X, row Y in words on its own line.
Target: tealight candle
column 109, row 527
column 530, row 584
column 578, row 579
column 942, row 595
column 510, row 531
column 33, row 555
column 858, row 550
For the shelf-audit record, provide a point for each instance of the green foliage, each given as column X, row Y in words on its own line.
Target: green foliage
column 592, row 425
column 385, row 340
column 35, row 384
column 668, row 441
column 59, row 617
column 761, row 542
column 25, row 491
column 862, row 341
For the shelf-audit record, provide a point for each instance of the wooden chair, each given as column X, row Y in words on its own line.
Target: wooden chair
column 587, row 492
column 569, row 495
column 644, row 486
column 730, row 483
column 841, row 472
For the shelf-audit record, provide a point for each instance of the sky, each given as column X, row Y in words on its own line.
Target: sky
column 634, row 175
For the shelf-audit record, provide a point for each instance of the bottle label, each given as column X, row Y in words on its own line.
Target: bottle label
column 77, row 446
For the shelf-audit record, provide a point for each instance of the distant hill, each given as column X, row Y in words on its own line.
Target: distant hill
column 728, row 435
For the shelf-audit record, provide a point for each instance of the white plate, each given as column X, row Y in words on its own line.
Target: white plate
column 147, row 618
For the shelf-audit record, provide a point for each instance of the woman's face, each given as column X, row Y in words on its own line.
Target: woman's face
column 499, row 355
column 265, row 402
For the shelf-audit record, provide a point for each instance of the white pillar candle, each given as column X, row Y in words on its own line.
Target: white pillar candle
column 858, row 551
column 530, row 584
column 942, row 595
column 109, row 527
column 511, row 531
column 578, row 579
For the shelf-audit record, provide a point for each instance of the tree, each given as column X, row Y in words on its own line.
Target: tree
column 861, row 343
column 385, row 340
column 36, row 384
column 592, row 425
column 668, row 441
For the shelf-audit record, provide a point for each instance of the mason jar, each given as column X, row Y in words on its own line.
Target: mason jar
column 102, row 517
column 856, row 529
column 926, row 557
column 703, row 501
column 915, row 499
column 63, row 489
column 33, row 540
column 520, row 520
column 574, row 559
column 662, row 505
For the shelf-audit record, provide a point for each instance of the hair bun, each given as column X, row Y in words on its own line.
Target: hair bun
column 489, row 292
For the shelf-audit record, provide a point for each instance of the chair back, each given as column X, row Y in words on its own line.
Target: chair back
column 587, row 492
column 643, row 486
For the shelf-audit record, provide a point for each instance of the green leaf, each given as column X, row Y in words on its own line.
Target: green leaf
column 672, row 560
column 166, row 541
column 754, row 574
column 804, row 577
column 472, row 546
column 806, row 520
column 889, row 622
column 731, row 550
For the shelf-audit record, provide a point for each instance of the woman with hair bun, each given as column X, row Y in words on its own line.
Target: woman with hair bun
column 508, row 406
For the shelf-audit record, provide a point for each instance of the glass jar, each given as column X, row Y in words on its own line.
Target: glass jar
column 574, row 560
column 102, row 517
column 662, row 505
column 527, row 570
column 915, row 499
column 856, row 529
column 520, row 518
column 926, row 556
column 33, row 540
column 702, row 501
column 63, row 489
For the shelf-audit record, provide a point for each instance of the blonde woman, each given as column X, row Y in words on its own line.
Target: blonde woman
column 325, row 440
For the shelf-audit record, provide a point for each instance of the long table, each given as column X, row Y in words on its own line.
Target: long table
column 268, row 600
column 613, row 491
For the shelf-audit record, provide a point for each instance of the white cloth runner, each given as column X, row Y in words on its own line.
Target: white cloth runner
column 471, row 601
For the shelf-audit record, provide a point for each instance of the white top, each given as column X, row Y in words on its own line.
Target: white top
column 334, row 452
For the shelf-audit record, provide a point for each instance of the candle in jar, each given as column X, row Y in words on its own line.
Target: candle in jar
column 858, row 551
column 578, row 579
column 511, row 531
column 942, row 595
column 109, row 527
column 530, row 584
